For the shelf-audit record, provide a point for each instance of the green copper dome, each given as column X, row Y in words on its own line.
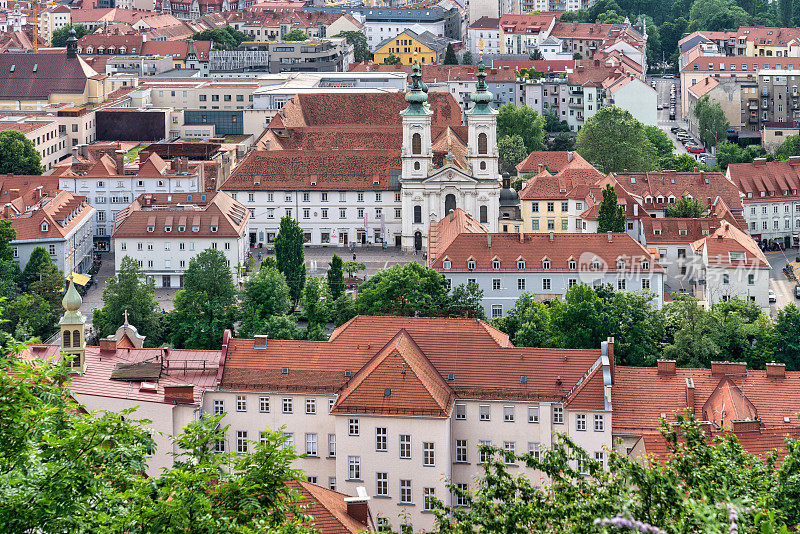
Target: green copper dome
column 417, row 96
column 482, row 97
column 72, row 304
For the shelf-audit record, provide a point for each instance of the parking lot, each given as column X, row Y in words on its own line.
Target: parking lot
column 663, row 87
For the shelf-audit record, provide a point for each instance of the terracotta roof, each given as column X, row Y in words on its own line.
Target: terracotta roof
column 148, row 211
column 545, row 186
column 481, row 360
column 528, row 24
column 703, row 86
column 581, row 30
column 553, row 161
column 728, row 239
column 62, row 211
column 53, row 73
column 666, row 183
column 177, row 49
column 763, row 181
column 443, row 232
column 131, row 42
column 485, row 23
column 665, row 230
column 327, row 508
column 592, row 75
column 542, row 65
column 292, row 170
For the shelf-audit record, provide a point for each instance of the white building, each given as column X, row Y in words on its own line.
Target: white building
column 634, row 95
column 164, row 231
column 485, row 30
column 400, row 405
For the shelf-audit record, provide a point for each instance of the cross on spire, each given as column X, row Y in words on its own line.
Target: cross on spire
column 125, row 314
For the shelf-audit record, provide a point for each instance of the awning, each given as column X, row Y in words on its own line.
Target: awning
column 80, row 279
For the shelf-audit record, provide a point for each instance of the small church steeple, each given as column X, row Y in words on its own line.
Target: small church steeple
column 72, row 44
column 482, row 130
column 72, row 324
column 417, row 151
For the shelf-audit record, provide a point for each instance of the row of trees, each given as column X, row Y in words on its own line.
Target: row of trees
column 225, row 38
column 682, row 330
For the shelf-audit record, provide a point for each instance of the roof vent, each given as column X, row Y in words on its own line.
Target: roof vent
column 451, row 376
column 786, row 419
column 387, row 392
column 523, row 379
column 151, row 387
column 285, row 371
column 347, row 374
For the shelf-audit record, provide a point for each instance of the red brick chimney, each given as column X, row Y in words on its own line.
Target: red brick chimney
column 776, row 370
column 666, row 367
column 358, row 507
column 690, row 394
column 119, row 160
column 728, row 368
column 108, row 344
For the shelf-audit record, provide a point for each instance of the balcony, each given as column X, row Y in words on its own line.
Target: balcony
column 753, row 104
column 795, row 104
column 765, row 91
column 753, row 118
column 764, row 104
column 576, row 91
column 575, row 104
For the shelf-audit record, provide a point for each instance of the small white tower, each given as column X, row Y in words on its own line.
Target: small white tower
column 72, row 324
column 482, row 128
column 417, row 154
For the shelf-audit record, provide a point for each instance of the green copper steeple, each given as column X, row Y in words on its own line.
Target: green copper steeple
column 417, row 96
column 482, row 97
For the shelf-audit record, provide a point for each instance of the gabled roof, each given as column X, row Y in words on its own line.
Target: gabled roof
column 553, row 161
column 398, row 380
column 764, row 181
column 728, row 239
column 327, row 508
column 444, row 231
column 704, row 186
column 544, row 186
column 36, row 76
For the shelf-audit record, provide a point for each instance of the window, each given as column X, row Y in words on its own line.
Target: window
column 219, row 407
column 416, row 144
column 471, row 265
column 219, row 446
column 381, row 438
column 417, row 214
column 461, row 412
column 428, row 453
column 483, row 143
column 241, row 403
column 621, row 284
column 497, row 310
column 495, row 284
column 599, row 423
column 495, row 264
column 429, row 494
column 311, row 444
column 263, row 404
column 564, row 206
column 51, row 249
column 509, row 447
column 484, row 456
column 558, row 415
column 352, row 427
column 382, row 484
column 508, row 414
column 484, row 412
column 289, row 443
column 405, row 446
column 461, row 500
column 533, row 449
column 599, row 457
column 545, row 284
column 572, row 265
column 311, row 407
column 645, row 283
column 241, row 441
column 405, row 492
column 354, row 467
column 726, row 279
column 551, row 206
column 533, row 414
column 580, row 422
column 751, row 279
column 521, row 284
column 461, row 451
column 520, row 264
column 287, row 405
column 332, row 445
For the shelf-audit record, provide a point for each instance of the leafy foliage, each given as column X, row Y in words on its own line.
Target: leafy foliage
column 511, row 149
column 790, row 147
column 712, row 124
column 392, row 59
column 613, row 141
column 265, row 294
column 403, row 290
column 226, row 38
column 450, row 57
column 295, row 35
column 728, row 153
column 290, row 256
column 60, row 36
column 467, row 58
column 360, row 47
column 18, row 154
column 611, row 217
column 687, row 207
column 716, row 15
column 522, row 121
column 336, row 277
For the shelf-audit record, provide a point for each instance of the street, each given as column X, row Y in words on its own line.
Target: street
column 782, row 286
column 663, row 88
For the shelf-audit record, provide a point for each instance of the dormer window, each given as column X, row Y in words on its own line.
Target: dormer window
column 645, row 265
column 595, row 264
column 496, row 264
column 520, row 264
column 213, row 228
column 167, row 228
column 181, row 228
column 648, row 200
column 657, row 231
column 101, row 183
column 660, row 200
column 470, row 265
column 546, row 265
column 736, row 256
column 45, row 227
column 151, row 228
column 572, row 265
column 620, row 264
column 195, row 228
column 446, row 264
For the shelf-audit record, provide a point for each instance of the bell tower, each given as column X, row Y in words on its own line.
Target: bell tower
column 417, row 153
column 72, row 324
column 482, row 131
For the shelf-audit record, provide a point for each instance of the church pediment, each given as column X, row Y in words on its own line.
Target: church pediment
column 450, row 174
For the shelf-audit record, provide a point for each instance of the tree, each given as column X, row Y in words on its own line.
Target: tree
column 335, row 277
column 790, row 147
column 343, row 309
column 562, row 142
column 295, row 35
column 128, row 290
column 639, row 327
column 686, row 207
column 38, row 260
column 786, row 11
column 716, row 15
column 614, row 141
column 527, row 323
column 49, row 285
column 392, row 59
column 9, row 270
column 693, row 342
column 536, row 55
column 611, row 216
column 351, row 267
column 712, row 124
column 403, row 290
column 466, row 301
column 728, row 153
column 226, row 38
column 29, row 316
column 206, row 307
column 264, row 295
column 523, row 121
column 658, row 138
column 359, row 41
column 553, row 124
column 581, row 321
column 610, row 17
column 511, row 149
column 787, row 330
column 467, row 59
column 314, row 307
column 682, row 163
column 60, row 36
column 290, row 256
column 450, row 57
column 18, row 155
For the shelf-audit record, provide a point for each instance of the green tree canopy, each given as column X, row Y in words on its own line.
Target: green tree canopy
column 511, row 149
column 360, row 47
column 716, row 15
column 611, row 216
column 527, row 323
column 686, row 207
column 450, row 57
column 467, row 300
column 787, row 330
column 290, row 256
column 712, row 124
column 207, row 304
column 265, row 294
column 523, row 121
column 60, row 36
column 18, row 155
column 658, row 138
column 336, row 277
column 403, row 290
column 467, row 58
column 614, row 141
column 536, row 55
column 295, row 35
column 392, row 59
column 225, row 38
column 581, row 321
column 129, row 290
column 728, row 153
column 790, row 147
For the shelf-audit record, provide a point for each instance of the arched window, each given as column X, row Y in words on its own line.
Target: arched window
column 76, row 338
column 417, row 214
column 449, row 203
column 483, row 144
column 416, row 165
column 65, row 342
column 484, row 214
column 482, row 165
column 416, row 144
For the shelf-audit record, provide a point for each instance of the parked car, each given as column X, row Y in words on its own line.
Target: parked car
column 773, row 298
column 676, row 129
column 797, row 291
column 695, row 149
column 672, row 115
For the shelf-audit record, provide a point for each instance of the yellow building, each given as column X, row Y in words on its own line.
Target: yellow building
column 554, row 203
column 410, row 47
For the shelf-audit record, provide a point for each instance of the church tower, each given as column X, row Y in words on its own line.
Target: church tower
column 482, row 126
column 72, row 323
column 417, row 154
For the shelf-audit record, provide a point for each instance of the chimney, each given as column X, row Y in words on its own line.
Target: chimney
column 108, row 343
column 610, row 237
column 260, row 341
column 144, row 155
column 13, row 194
column 552, row 236
column 489, row 239
column 183, row 394
column 609, row 349
column 776, row 370
column 747, row 425
column 119, row 160
column 541, row 167
column 358, row 507
column 570, row 155
column 666, row 367
column 7, row 211
column 728, row 368
column 690, row 393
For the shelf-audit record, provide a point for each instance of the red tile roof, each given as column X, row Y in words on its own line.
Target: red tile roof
column 527, row 24
column 327, row 508
column 53, row 73
column 542, row 65
column 218, row 210
column 727, row 239
column 443, row 232
column 741, row 64
column 581, row 30
column 292, row 170
column 764, row 181
column 666, row 183
column 131, row 42
column 177, row 49
column 553, row 161
column 462, row 347
column 485, row 23
column 62, row 212
column 544, row 186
